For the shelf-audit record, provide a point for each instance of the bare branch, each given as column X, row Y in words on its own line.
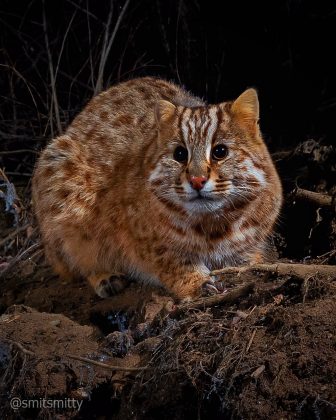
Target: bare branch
column 52, row 74
column 207, row 302
column 107, row 366
column 108, row 44
column 320, row 199
column 300, row 270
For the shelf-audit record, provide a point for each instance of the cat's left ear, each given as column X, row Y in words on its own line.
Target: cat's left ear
column 164, row 111
column 246, row 106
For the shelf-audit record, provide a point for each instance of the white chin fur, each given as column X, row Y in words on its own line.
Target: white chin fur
column 203, row 206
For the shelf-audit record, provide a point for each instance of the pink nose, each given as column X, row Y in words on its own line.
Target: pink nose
column 198, row 182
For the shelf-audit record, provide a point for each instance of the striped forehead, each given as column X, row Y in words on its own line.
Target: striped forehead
column 199, row 125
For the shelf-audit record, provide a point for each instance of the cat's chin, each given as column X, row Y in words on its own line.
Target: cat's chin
column 203, row 205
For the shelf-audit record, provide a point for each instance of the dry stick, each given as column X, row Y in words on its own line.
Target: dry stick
column 13, row 234
column 84, row 10
column 63, row 43
column 300, row 270
column 29, row 174
column 207, row 302
column 24, row 81
column 82, row 359
column 17, row 258
column 258, row 372
column 251, row 340
column 305, row 288
column 99, row 82
column 120, row 17
column 90, row 43
column 283, row 154
column 320, row 199
column 14, row 152
column 107, row 366
column 20, row 346
column 108, row 44
column 52, row 75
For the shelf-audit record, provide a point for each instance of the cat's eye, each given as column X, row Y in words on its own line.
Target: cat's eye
column 219, row 152
column 181, row 154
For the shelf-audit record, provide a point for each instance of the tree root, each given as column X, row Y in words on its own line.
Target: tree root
column 83, row 359
column 106, row 365
column 207, row 302
column 300, row 270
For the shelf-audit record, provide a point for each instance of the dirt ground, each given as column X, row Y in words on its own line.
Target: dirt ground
column 266, row 349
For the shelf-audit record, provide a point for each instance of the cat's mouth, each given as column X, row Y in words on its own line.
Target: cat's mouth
column 202, row 197
column 203, row 203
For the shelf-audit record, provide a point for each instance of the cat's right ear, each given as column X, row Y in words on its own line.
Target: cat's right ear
column 164, row 111
column 246, row 107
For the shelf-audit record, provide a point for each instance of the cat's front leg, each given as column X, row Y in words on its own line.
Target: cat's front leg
column 189, row 282
column 108, row 284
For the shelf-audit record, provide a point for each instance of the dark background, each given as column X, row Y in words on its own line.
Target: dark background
column 51, row 52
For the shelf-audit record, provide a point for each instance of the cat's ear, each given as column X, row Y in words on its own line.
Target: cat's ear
column 246, row 106
column 164, row 111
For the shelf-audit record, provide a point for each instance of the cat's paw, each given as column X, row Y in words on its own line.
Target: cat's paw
column 212, row 287
column 185, row 300
column 111, row 286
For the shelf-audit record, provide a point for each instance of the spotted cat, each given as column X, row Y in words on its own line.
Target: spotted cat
column 151, row 183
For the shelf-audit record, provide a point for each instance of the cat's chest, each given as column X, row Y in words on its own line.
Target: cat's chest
column 214, row 244
column 219, row 244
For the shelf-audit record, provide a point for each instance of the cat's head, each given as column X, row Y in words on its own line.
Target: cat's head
column 209, row 157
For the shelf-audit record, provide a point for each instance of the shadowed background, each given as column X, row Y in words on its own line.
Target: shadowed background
column 54, row 56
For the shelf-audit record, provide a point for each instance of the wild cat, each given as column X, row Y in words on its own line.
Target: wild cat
column 151, row 183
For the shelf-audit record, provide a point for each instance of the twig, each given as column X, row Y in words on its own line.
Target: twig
column 83, row 359
column 283, row 154
column 327, row 255
column 52, row 74
column 207, row 302
column 305, row 288
column 18, row 258
column 258, row 371
column 26, row 83
column 108, row 44
column 251, row 340
column 84, row 10
column 13, row 234
column 107, row 366
column 20, row 346
column 29, row 174
column 13, row 152
column 300, row 270
column 38, row 253
column 320, row 199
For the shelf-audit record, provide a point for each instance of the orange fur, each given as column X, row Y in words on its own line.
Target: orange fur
column 110, row 197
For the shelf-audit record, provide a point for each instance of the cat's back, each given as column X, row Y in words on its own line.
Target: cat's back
column 128, row 106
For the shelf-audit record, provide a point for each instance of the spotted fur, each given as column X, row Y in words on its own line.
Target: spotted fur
column 111, row 199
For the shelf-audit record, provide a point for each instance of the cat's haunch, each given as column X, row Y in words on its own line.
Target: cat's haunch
column 150, row 183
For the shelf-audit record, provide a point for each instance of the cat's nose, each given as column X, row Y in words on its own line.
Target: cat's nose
column 198, row 182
